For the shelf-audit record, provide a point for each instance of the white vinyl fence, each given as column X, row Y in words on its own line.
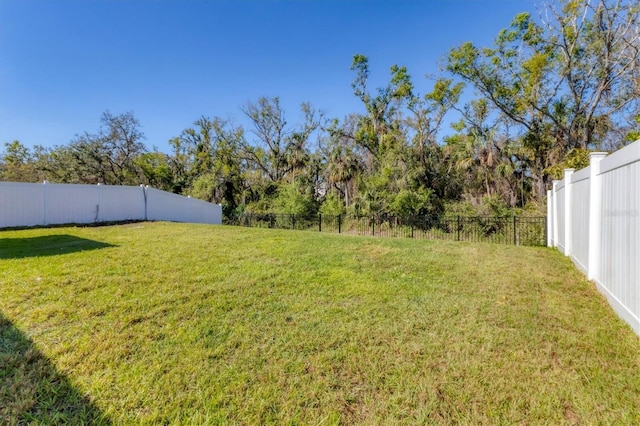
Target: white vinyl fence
column 594, row 217
column 32, row 204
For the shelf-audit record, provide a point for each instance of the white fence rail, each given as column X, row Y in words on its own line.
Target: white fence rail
column 32, row 204
column 594, row 217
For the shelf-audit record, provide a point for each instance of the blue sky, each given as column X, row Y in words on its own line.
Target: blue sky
column 64, row 62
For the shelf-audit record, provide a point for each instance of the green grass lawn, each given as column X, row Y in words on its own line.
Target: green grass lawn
column 175, row 323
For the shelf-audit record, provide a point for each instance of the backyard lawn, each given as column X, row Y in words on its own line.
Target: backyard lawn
column 176, row 323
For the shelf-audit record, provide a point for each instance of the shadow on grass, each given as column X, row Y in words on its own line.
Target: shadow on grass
column 48, row 245
column 33, row 391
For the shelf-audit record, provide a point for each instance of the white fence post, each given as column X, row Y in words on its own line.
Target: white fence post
column 44, row 202
column 145, row 190
column 99, row 205
column 568, row 243
column 550, row 218
column 555, row 212
column 595, row 215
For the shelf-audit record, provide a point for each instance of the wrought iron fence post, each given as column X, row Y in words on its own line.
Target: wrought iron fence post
column 515, row 230
column 373, row 227
column 319, row 222
column 339, row 222
column 459, row 227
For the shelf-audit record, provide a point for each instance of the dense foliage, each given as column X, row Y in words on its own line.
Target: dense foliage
column 548, row 91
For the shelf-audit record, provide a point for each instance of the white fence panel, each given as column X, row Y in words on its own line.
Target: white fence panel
column 203, row 212
column 619, row 271
column 21, row 204
column 164, row 206
column 71, row 204
column 560, row 211
column 172, row 207
column 604, row 224
column 119, row 203
column 31, row 204
column 580, row 218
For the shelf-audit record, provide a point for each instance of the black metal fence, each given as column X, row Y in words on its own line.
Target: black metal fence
column 516, row 230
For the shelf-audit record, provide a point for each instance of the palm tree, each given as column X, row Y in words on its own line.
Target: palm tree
column 342, row 168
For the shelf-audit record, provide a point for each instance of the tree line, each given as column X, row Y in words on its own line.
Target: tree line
column 545, row 93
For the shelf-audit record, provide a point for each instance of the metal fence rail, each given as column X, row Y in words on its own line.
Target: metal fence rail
column 528, row 231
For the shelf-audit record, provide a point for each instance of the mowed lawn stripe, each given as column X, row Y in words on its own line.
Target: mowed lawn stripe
column 178, row 323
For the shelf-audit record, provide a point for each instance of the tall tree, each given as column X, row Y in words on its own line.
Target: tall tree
column 596, row 47
column 565, row 82
column 17, row 164
column 155, row 170
column 269, row 126
column 278, row 149
column 343, row 161
column 516, row 77
column 379, row 129
column 428, row 162
column 491, row 162
column 222, row 181
column 279, row 153
column 122, row 139
column 109, row 155
column 198, row 142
